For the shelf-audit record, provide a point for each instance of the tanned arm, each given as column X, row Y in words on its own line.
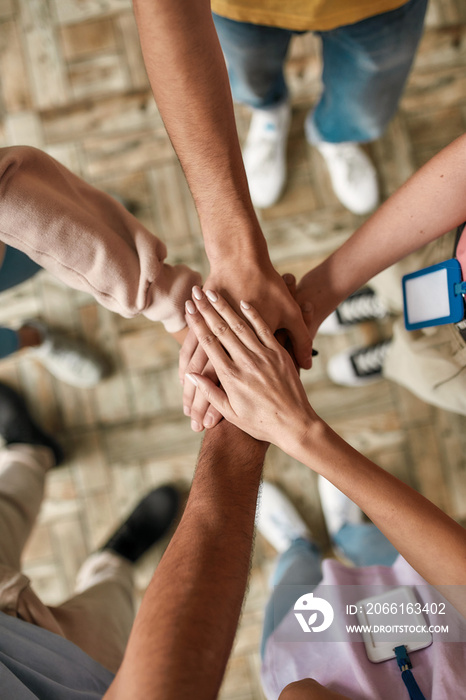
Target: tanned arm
column 189, row 80
column 184, row 630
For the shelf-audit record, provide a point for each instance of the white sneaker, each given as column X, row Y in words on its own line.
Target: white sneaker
column 353, row 176
column 67, row 359
column 264, row 154
column 363, row 305
column 338, row 509
column 277, row 519
column 358, row 366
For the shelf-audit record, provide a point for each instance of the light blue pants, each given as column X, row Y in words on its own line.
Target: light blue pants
column 365, row 67
column 16, row 268
column 300, row 565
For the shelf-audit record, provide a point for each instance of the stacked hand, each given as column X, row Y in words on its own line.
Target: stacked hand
column 260, row 392
column 269, row 293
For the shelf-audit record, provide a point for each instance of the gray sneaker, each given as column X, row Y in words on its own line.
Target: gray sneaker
column 68, row 359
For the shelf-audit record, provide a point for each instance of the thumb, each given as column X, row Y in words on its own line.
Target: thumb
column 212, row 393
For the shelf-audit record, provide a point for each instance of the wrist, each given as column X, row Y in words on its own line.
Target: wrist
column 233, row 447
column 307, row 433
column 243, row 241
column 316, row 287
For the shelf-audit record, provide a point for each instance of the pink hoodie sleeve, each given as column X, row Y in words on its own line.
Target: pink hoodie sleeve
column 88, row 240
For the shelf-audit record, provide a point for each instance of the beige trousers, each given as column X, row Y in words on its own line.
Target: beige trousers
column 99, row 616
column 432, row 362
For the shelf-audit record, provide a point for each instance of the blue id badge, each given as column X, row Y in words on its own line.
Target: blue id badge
column 434, row 296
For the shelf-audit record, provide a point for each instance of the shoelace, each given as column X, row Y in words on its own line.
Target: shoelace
column 370, row 360
column 362, row 307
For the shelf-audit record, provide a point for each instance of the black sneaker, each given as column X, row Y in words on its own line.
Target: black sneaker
column 148, row 523
column 363, row 305
column 358, row 366
column 17, row 426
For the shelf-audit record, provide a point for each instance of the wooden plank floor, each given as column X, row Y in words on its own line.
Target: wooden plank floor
column 73, row 83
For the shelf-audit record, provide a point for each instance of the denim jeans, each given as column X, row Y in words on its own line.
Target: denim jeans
column 16, row 268
column 300, row 565
column 365, row 67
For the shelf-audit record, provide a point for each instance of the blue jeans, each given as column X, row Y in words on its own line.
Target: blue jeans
column 16, row 268
column 365, row 67
column 300, row 565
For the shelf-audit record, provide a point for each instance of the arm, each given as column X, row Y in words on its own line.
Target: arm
column 187, row 71
column 87, row 239
column 184, row 630
column 430, row 203
column 262, row 394
column 189, row 80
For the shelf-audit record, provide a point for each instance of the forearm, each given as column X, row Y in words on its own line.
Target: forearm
column 185, row 628
column 427, row 538
column 87, row 239
column 430, row 203
column 187, row 71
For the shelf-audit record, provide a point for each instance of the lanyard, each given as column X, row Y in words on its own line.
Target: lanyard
column 405, row 665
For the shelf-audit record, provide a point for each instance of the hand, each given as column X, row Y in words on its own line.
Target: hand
column 194, row 359
column 280, row 311
column 309, row 689
column 180, row 336
column 261, row 391
column 316, row 297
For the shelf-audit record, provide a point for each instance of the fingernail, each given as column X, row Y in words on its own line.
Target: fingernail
column 190, row 308
column 195, row 425
column 245, row 305
column 208, row 420
column 186, row 410
column 211, row 295
column 288, row 278
column 314, row 352
column 197, row 293
column 307, row 306
column 192, row 379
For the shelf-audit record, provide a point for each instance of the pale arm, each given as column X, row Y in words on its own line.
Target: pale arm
column 88, row 239
column 184, row 630
column 430, row 203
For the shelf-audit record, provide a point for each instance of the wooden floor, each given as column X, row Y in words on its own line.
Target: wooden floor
column 73, row 83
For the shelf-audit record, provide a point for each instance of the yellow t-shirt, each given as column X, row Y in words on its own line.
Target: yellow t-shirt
column 303, row 14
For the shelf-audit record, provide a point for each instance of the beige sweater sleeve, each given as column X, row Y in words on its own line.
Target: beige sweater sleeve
column 87, row 239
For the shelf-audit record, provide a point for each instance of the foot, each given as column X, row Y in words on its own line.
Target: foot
column 363, row 305
column 264, row 154
column 353, row 176
column 358, row 366
column 277, row 519
column 337, row 508
column 17, row 426
column 69, row 360
column 146, row 525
